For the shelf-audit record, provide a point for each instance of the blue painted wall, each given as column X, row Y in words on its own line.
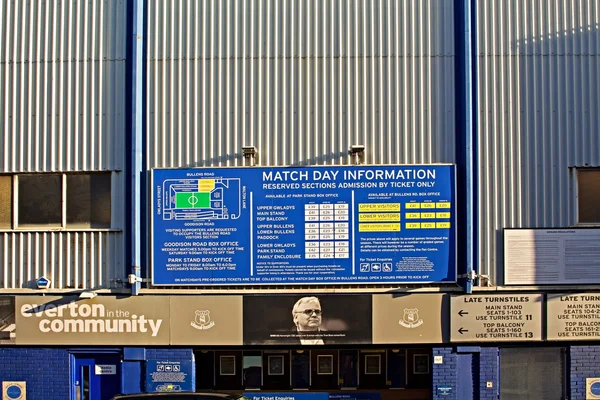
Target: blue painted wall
column 46, row 371
column 132, row 369
column 444, row 374
column 489, row 368
column 467, row 383
column 169, row 354
column 484, row 368
column 585, row 363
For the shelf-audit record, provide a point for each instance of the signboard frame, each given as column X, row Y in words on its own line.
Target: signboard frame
column 557, row 234
column 450, row 269
column 511, row 317
column 168, row 375
column 572, row 316
column 103, row 320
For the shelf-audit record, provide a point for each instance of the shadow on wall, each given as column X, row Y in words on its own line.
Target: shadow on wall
column 539, row 116
column 230, row 158
column 558, row 119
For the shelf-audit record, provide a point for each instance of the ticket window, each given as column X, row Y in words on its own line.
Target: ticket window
column 228, row 370
column 372, row 370
column 324, row 369
column 276, row 370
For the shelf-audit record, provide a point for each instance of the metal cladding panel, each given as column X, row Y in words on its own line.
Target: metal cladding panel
column 62, row 85
column 300, row 80
column 538, row 87
column 77, row 260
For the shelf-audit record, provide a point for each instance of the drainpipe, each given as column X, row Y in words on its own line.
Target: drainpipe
column 466, row 151
column 137, row 74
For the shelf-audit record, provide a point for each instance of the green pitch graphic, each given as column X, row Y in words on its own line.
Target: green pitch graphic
column 192, row 200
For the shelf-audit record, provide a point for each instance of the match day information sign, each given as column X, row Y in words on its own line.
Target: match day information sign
column 304, row 225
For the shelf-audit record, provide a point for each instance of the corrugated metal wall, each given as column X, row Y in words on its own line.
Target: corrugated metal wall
column 62, row 108
column 538, row 113
column 301, row 80
column 77, row 260
column 62, row 81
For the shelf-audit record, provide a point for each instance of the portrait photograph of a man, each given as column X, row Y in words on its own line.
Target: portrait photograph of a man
column 307, row 318
column 311, row 320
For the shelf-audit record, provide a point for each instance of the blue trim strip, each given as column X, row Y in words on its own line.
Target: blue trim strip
column 95, row 350
column 136, row 174
column 468, row 349
column 73, row 373
column 144, row 201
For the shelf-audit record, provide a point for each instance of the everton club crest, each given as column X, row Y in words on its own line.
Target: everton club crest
column 411, row 318
column 202, row 320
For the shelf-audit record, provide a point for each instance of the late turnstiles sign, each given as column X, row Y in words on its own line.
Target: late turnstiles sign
column 496, row 318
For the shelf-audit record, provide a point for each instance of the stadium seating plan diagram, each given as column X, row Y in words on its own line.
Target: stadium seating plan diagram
column 195, row 199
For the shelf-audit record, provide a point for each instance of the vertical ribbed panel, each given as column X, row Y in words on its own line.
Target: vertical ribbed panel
column 78, row 260
column 62, row 108
column 62, row 85
column 301, row 80
column 538, row 113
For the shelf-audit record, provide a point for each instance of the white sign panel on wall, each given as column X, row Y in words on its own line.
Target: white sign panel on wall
column 105, row 369
column 551, row 256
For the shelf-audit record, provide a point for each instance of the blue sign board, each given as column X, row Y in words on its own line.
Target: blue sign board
column 313, row 396
column 595, row 388
column 287, row 396
column 304, row 225
column 444, row 390
column 42, row 282
column 168, row 376
column 14, row 392
column 355, row 396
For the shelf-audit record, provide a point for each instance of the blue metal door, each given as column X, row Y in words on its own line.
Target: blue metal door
column 465, row 388
column 96, row 377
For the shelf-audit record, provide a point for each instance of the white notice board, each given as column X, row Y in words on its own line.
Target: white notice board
column 551, row 256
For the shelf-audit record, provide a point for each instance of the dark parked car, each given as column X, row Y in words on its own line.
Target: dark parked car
column 180, row 396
